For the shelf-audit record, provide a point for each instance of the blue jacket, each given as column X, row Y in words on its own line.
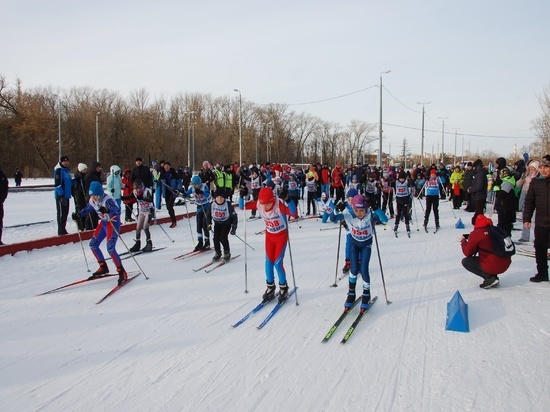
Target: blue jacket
column 63, row 182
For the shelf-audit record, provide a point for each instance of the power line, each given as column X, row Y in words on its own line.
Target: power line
column 460, row 134
column 332, row 98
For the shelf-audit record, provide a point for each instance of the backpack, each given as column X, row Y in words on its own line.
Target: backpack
column 502, row 243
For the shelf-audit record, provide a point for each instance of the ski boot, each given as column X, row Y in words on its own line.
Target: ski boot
column 365, row 300
column 148, row 246
column 345, row 269
column 395, row 230
column 425, row 225
column 283, row 292
column 269, row 293
column 122, row 275
column 226, row 257
column 136, row 247
column 173, row 225
column 217, row 256
column 199, row 245
column 103, row 270
column 206, row 244
column 351, row 297
column 408, row 230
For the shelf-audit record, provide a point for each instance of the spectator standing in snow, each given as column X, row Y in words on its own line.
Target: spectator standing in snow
column 63, row 192
column 18, row 176
column 538, row 198
column 4, row 185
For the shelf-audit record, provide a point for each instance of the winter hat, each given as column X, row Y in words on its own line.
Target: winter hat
column 352, row 193
column 433, row 172
column 504, row 172
column 402, row 175
column 469, row 164
column 196, row 180
column 81, row 167
column 534, row 164
column 323, row 195
column 501, row 162
column 63, row 158
column 219, row 192
column 359, row 202
column 139, row 159
column 478, row 163
column 545, row 161
column 482, row 221
column 266, row 196
column 96, row 189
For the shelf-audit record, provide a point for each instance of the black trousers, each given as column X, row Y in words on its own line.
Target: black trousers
column 221, row 235
column 471, row 264
column 62, row 206
column 542, row 235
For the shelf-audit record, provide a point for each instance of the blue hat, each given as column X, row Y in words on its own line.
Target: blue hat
column 352, row 193
column 196, row 180
column 96, row 189
column 359, row 202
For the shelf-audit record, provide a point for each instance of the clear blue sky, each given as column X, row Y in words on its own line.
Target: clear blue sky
column 482, row 64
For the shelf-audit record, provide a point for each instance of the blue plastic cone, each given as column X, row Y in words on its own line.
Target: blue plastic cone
column 457, row 314
column 459, row 224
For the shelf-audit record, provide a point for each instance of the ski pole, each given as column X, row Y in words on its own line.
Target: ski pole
column 189, row 220
column 415, row 216
column 380, row 263
column 126, row 246
column 83, row 252
column 327, row 228
column 237, row 236
column 292, row 266
column 335, row 284
column 160, row 225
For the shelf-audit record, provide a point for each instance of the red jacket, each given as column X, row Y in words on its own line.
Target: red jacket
column 479, row 242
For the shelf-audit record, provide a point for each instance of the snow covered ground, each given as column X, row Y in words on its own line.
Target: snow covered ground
column 166, row 344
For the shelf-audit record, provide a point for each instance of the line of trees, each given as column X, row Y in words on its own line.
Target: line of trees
column 160, row 128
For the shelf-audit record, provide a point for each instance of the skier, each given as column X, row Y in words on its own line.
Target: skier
column 146, row 208
column 63, row 192
column 202, row 200
column 359, row 220
column 274, row 211
column 328, row 208
column 225, row 221
column 108, row 227
column 433, row 188
column 403, row 201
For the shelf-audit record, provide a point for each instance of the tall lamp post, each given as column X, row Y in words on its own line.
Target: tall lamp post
column 240, row 128
column 380, row 123
column 59, row 122
column 422, row 143
column 443, row 139
column 456, row 129
column 97, row 136
column 189, row 138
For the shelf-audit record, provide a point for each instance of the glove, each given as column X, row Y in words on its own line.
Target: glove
column 233, row 230
column 283, row 194
column 198, row 192
column 75, row 216
column 340, row 206
column 344, row 225
column 243, row 191
column 209, row 227
column 176, row 193
column 103, row 209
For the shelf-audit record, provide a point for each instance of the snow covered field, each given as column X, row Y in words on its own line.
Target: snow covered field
column 166, row 344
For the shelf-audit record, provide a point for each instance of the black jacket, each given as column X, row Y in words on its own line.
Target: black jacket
column 3, row 187
column 538, row 197
column 478, row 189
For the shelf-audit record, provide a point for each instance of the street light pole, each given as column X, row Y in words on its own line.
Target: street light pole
column 97, row 136
column 443, row 140
column 59, row 122
column 456, row 128
column 380, row 123
column 189, row 138
column 422, row 143
column 240, row 128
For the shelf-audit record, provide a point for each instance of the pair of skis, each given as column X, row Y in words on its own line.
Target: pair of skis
column 127, row 255
column 261, row 305
column 192, row 254
column 90, row 279
column 219, row 264
column 353, row 325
